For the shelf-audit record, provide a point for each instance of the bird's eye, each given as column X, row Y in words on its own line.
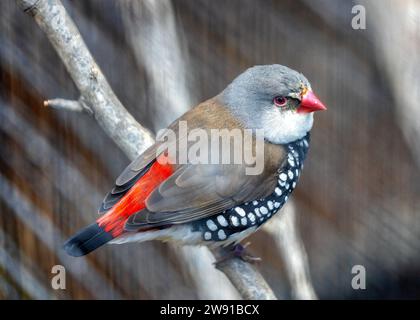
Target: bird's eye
column 280, row 101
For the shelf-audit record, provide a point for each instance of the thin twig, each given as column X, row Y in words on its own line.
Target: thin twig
column 70, row 105
column 129, row 135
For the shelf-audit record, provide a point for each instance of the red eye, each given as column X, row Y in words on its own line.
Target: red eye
column 280, row 101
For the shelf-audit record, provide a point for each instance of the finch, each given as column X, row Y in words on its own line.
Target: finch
column 160, row 197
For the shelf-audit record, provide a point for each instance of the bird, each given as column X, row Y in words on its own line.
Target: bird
column 159, row 197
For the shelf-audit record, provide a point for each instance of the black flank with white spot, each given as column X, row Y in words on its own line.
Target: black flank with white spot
column 255, row 213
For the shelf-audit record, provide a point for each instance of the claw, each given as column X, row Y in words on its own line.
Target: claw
column 238, row 251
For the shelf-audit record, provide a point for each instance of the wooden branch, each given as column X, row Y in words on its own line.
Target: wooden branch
column 282, row 229
column 244, row 276
column 52, row 18
column 70, row 105
column 397, row 50
column 129, row 135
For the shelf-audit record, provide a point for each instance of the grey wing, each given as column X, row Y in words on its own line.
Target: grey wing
column 193, row 192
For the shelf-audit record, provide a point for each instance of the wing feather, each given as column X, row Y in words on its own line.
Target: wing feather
column 197, row 191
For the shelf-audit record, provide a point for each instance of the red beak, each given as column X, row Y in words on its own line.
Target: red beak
column 310, row 103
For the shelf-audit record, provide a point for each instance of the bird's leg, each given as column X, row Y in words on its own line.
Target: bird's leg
column 239, row 251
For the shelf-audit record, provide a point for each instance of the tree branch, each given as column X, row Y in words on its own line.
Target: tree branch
column 397, row 49
column 244, row 276
column 70, row 105
column 127, row 133
column 282, row 229
column 52, row 18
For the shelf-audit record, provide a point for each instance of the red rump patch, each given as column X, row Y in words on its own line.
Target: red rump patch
column 133, row 201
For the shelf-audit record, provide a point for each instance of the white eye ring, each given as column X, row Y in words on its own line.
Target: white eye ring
column 280, row 101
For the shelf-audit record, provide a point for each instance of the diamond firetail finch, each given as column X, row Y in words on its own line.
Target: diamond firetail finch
column 213, row 203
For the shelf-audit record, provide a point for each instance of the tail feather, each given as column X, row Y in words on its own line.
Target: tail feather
column 87, row 240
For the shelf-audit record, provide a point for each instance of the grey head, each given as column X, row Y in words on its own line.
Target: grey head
column 269, row 97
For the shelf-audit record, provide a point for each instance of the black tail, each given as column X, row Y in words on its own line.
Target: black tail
column 87, row 240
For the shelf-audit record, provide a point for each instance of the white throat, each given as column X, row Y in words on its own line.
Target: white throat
column 281, row 127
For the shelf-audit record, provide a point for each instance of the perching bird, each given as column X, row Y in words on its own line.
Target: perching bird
column 158, row 198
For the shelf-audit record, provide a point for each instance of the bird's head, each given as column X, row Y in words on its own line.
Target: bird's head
column 274, row 98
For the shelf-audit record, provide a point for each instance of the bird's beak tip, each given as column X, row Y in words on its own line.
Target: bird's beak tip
column 310, row 103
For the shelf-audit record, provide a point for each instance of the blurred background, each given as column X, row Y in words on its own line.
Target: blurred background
column 357, row 202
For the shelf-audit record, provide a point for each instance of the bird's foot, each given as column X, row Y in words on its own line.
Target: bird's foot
column 240, row 252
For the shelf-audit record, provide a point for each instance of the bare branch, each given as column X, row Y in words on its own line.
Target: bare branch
column 70, row 105
column 397, row 48
column 244, row 276
column 282, row 229
column 52, row 18
column 154, row 36
column 129, row 135
column 197, row 263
